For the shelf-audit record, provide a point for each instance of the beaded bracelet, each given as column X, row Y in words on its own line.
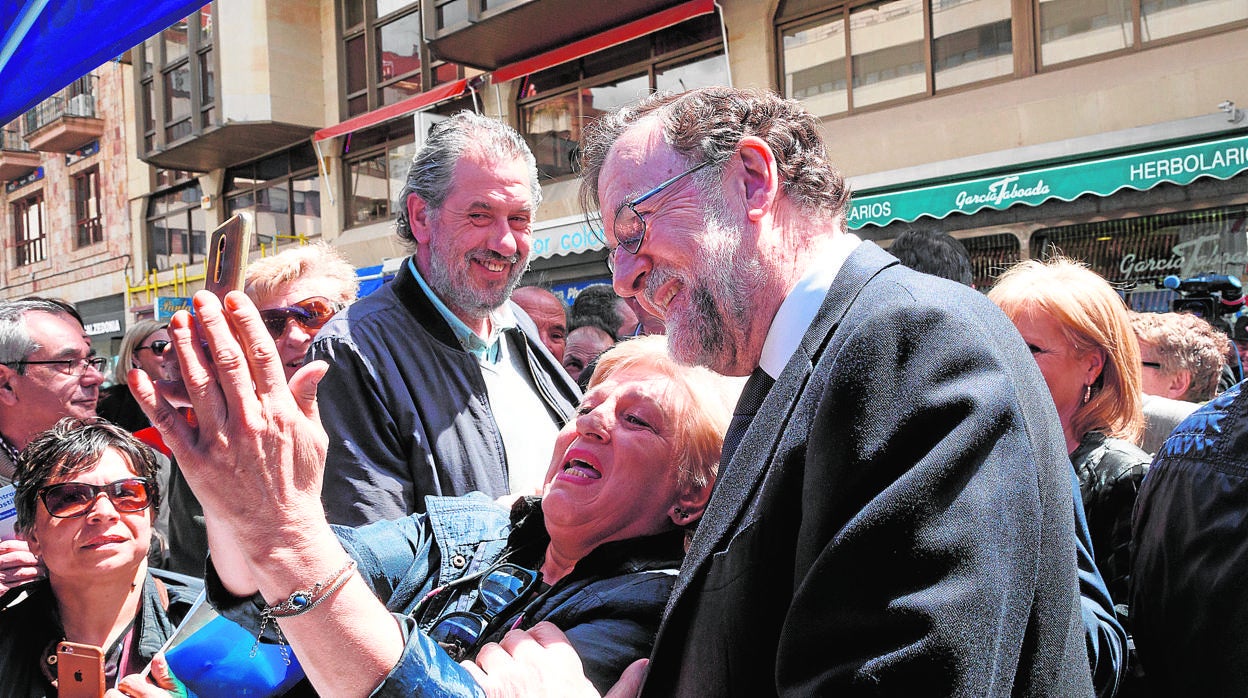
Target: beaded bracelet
column 299, row 602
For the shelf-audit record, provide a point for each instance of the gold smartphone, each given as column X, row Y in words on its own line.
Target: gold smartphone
column 79, row 671
column 228, row 247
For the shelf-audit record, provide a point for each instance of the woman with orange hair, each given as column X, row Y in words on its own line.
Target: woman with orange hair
column 1079, row 332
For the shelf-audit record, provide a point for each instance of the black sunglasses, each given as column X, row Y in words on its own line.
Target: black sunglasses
column 311, row 314
column 157, row 347
column 69, row 500
column 459, row 632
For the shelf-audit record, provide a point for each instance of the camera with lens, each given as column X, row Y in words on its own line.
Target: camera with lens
column 1209, row 296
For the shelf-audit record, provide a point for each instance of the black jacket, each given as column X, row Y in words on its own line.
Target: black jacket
column 897, row 520
column 1189, row 572
column 407, row 408
column 30, row 625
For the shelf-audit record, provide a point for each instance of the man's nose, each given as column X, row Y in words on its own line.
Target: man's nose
column 629, row 276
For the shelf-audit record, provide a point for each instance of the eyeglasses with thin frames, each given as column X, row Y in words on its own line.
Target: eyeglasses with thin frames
column 70, row 367
column 630, row 224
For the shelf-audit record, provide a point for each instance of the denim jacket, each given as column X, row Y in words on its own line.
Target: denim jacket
column 609, row 605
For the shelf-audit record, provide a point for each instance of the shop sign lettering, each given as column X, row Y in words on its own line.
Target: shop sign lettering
column 1004, row 189
column 1202, row 255
column 1192, row 163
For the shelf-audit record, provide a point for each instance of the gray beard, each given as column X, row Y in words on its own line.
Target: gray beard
column 714, row 329
column 476, row 304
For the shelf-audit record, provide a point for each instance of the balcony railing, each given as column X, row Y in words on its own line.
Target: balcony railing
column 11, row 139
column 17, row 158
column 76, row 100
column 67, row 120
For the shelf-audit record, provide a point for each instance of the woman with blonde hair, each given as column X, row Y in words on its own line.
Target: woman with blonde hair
column 1079, row 332
column 395, row 605
column 143, row 346
column 298, row 291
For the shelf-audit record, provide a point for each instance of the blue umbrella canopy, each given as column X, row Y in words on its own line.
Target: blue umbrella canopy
column 47, row 44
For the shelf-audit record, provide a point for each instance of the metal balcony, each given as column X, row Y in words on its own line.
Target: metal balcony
column 67, row 120
column 16, row 157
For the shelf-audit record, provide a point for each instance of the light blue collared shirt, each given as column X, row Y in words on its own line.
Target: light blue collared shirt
column 485, row 349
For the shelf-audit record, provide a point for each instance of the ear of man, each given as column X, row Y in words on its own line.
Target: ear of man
column 8, row 397
column 1178, row 384
column 418, row 219
column 758, row 178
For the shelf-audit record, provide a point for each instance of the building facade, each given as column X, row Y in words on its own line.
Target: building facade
column 65, row 167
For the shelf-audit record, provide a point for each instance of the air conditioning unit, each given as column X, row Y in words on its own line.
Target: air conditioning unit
column 81, row 105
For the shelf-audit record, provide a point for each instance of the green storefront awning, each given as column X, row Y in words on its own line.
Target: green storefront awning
column 1221, row 159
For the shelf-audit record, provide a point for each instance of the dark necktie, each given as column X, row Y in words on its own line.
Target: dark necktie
column 752, row 395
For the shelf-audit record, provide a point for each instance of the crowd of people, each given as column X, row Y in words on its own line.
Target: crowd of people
column 770, row 458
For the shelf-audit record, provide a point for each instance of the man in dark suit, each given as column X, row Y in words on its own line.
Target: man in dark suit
column 897, row 519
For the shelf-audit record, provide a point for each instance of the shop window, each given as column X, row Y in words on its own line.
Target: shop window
column 177, row 83
column 990, row 255
column 282, row 194
column 87, row 207
column 30, row 230
column 554, row 104
column 176, row 228
column 1135, row 254
column 385, row 58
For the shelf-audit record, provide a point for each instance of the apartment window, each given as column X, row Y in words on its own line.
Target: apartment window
column 176, row 228
column 838, row 57
column 385, row 57
column 1074, row 29
column 177, row 82
column 555, row 103
column 29, row 228
column 282, row 194
column 87, row 207
column 376, row 169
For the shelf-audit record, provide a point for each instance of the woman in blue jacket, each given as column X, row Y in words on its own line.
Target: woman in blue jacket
column 390, row 607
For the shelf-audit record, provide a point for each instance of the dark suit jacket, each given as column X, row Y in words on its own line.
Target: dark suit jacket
column 897, row 520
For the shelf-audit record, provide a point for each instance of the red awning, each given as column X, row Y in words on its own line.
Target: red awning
column 441, row 93
column 607, row 39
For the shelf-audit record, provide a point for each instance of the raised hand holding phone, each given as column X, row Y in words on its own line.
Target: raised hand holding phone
column 228, row 247
column 224, row 271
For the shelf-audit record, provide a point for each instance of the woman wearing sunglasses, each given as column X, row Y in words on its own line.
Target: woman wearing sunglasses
column 297, row 292
column 143, row 346
column 393, row 605
column 86, row 500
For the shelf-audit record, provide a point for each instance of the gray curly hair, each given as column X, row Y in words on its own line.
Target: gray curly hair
column 429, row 177
column 707, row 124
